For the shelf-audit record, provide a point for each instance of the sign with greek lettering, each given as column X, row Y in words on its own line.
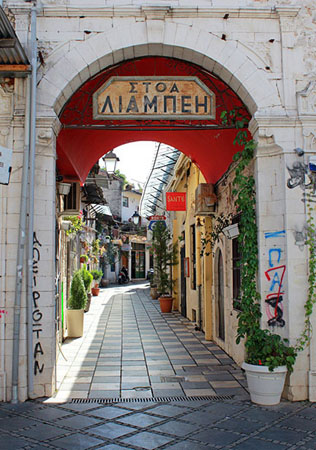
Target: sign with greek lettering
column 128, row 98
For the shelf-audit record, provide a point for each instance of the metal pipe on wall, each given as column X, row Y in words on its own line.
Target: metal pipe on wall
column 27, row 176
column 31, row 206
column 3, row 385
column 21, row 248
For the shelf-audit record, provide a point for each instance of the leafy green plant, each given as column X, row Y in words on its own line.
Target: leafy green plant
column 76, row 224
column 86, row 277
column 268, row 349
column 96, row 247
column 78, row 294
column 97, row 275
column 165, row 256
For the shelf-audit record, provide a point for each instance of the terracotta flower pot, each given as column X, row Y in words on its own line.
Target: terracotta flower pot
column 95, row 291
column 166, row 304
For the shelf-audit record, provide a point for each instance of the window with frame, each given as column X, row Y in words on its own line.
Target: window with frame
column 193, row 256
column 236, row 274
column 125, row 201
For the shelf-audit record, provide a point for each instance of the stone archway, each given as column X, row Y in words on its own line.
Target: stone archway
column 63, row 75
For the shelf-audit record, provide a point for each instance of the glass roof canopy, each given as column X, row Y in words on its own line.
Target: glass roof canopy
column 164, row 161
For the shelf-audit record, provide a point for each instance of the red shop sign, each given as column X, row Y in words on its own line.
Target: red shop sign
column 176, row 201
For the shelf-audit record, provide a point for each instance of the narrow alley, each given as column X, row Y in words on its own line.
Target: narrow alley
column 131, row 350
column 177, row 391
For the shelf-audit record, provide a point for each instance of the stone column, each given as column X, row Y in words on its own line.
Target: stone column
column 44, row 307
column 306, row 99
column 281, row 215
column 8, row 243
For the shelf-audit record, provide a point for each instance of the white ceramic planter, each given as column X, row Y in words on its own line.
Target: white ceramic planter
column 75, row 322
column 265, row 387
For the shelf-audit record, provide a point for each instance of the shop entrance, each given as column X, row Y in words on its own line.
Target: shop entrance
column 138, row 261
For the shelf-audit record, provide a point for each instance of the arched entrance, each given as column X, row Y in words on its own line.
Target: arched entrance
column 84, row 138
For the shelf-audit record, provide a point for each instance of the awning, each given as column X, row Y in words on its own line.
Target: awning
column 165, row 159
column 102, row 209
column 13, row 59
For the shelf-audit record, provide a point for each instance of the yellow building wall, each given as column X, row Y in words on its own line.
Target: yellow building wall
column 188, row 177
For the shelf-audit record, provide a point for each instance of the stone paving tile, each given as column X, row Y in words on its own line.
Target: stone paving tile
column 147, row 440
column 9, row 442
column 146, row 342
column 76, row 441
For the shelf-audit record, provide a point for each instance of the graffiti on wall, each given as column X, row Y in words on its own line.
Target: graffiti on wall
column 298, row 175
column 275, row 276
column 3, row 312
column 37, row 314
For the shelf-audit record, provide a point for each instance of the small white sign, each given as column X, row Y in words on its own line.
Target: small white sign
column 5, row 164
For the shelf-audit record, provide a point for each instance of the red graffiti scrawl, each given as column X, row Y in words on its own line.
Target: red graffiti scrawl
column 275, row 275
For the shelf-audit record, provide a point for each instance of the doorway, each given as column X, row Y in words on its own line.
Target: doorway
column 183, row 283
column 138, row 261
column 220, row 297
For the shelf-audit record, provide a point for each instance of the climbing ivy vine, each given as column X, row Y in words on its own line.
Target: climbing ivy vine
column 262, row 346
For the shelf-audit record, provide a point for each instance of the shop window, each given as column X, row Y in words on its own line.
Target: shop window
column 193, row 256
column 125, row 201
column 72, row 200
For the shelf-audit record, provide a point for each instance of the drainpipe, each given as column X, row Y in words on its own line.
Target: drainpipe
column 31, row 206
column 3, row 386
column 28, row 158
column 21, row 247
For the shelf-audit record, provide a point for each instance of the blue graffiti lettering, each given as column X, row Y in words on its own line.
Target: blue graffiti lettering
column 274, row 250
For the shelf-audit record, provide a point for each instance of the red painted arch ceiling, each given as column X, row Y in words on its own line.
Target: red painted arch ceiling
column 83, row 140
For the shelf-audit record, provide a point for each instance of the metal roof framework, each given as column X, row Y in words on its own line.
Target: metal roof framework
column 162, row 169
column 13, row 59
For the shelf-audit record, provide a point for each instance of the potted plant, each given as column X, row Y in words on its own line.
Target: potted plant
column 268, row 359
column 164, row 258
column 75, row 306
column 87, row 280
column 97, row 275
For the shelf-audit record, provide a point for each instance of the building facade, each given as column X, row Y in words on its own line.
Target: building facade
column 256, row 55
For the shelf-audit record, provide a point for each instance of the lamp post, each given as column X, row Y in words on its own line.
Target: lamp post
column 110, row 161
column 136, row 218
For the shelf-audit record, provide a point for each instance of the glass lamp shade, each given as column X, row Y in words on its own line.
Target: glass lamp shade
column 135, row 218
column 110, row 161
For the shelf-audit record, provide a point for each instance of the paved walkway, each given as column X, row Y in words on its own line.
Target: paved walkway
column 129, row 349
column 126, row 334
